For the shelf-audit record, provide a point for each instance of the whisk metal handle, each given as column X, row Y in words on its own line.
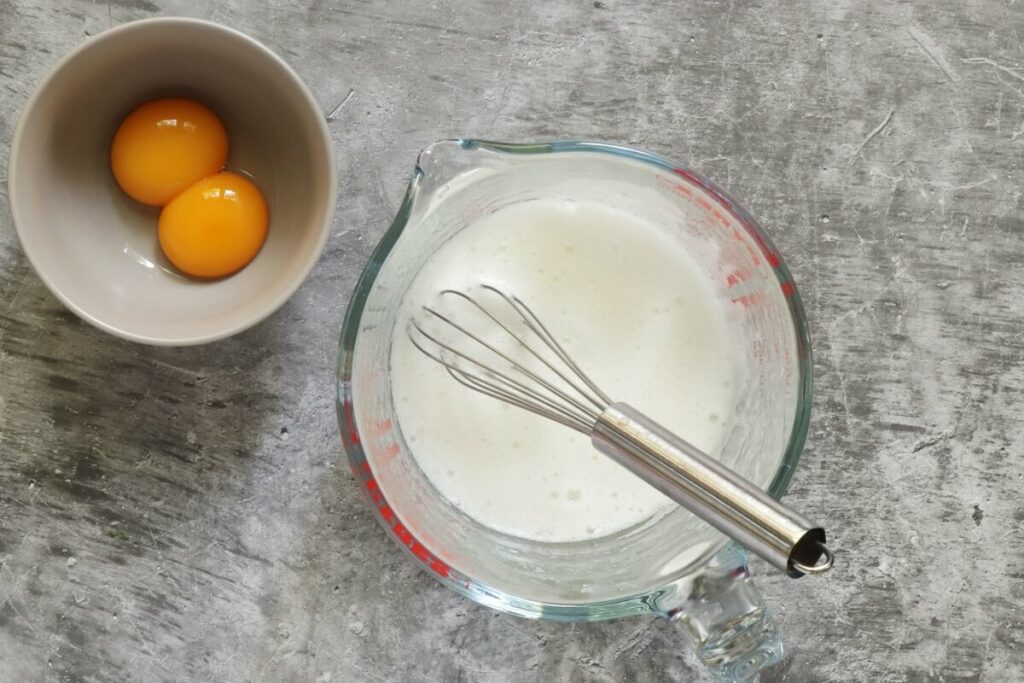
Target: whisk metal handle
column 713, row 492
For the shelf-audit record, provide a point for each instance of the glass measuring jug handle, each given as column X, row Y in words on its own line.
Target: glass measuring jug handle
column 724, row 618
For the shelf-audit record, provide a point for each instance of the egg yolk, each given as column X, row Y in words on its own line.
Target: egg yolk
column 166, row 145
column 215, row 227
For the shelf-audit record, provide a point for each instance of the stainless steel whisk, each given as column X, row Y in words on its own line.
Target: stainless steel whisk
column 560, row 391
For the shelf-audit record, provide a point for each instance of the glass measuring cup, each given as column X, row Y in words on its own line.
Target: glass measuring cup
column 673, row 565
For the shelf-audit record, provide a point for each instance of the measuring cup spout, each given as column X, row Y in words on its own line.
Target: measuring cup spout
column 440, row 162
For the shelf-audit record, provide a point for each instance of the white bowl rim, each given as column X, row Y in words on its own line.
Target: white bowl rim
column 285, row 292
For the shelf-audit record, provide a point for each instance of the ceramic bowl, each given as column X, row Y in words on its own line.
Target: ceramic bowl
column 96, row 248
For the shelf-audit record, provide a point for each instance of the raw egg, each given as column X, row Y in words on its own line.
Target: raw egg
column 215, row 227
column 166, row 145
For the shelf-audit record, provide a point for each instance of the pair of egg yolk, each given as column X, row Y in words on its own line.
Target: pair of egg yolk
column 171, row 153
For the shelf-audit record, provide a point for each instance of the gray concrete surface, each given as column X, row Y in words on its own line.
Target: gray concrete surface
column 183, row 514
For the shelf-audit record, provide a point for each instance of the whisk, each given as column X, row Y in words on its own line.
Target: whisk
column 533, row 372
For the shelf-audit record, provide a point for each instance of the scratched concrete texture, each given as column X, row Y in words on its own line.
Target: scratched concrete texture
column 184, row 514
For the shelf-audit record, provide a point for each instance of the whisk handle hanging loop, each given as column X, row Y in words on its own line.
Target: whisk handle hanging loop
column 713, row 492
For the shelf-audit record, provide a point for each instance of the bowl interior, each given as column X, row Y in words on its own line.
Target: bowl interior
column 97, row 249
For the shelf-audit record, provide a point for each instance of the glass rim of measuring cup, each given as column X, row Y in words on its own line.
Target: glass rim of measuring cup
column 352, row 439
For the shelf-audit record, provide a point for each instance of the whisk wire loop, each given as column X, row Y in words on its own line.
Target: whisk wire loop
column 499, row 384
column 575, row 404
column 579, row 384
column 599, row 399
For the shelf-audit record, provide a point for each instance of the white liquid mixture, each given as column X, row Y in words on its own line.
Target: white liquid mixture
column 629, row 304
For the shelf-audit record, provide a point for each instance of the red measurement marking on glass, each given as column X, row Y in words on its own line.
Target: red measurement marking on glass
column 747, row 300
column 773, row 258
column 374, row 490
column 683, row 173
column 400, row 531
column 678, row 188
column 755, row 255
column 403, row 534
column 762, row 249
column 381, row 437
column 380, row 427
column 738, row 276
column 350, row 422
